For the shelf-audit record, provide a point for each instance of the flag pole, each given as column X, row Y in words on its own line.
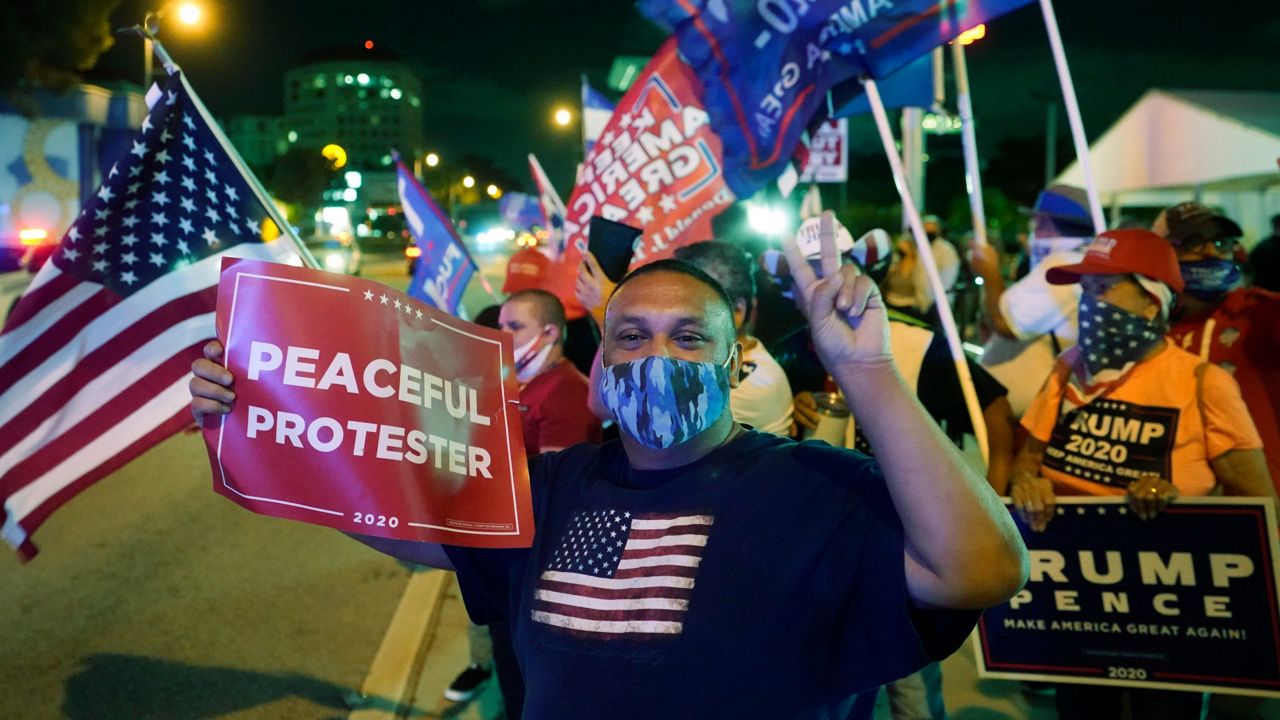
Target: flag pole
column 264, row 198
column 931, row 268
column 1073, row 114
column 969, row 139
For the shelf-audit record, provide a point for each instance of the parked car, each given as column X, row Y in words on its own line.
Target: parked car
column 336, row 254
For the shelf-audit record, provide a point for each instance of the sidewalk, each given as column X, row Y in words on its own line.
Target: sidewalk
column 447, row 655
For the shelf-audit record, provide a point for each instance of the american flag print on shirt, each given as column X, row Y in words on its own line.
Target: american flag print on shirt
column 616, row 575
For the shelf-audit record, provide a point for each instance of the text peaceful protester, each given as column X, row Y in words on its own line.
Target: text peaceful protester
column 362, row 409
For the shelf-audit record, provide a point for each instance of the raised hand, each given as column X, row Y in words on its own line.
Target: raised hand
column 846, row 314
column 593, row 287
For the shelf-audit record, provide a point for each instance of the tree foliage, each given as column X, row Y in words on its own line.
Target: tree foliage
column 51, row 43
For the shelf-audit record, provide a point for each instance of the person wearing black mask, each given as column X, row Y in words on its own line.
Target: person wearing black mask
column 1234, row 327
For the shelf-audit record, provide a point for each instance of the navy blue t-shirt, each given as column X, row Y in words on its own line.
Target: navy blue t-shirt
column 764, row 580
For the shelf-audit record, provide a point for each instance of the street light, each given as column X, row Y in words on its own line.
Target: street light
column 972, row 35
column 494, row 191
column 468, row 182
column 189, row 13
column 432, row 159
column 335, row 154
column 563, row 117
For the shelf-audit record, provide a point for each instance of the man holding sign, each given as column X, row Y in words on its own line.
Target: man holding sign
column 698, row 569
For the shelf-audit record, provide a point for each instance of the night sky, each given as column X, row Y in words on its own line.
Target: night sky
column 493, row 70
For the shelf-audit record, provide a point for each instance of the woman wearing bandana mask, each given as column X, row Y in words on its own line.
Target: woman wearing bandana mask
column 1236, row 328
column 1126, row 403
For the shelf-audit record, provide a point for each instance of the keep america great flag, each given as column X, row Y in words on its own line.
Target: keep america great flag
column 95, row 357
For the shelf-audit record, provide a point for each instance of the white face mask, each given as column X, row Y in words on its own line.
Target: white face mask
column 1042, row 247
column 529, row 360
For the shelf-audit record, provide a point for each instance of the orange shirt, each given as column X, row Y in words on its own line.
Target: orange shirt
column 1150, row 422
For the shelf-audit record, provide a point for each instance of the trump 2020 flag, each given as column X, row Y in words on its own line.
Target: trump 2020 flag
column 96, row 356
column 596, row 111
column 445, row 267
column 767, row 66
column 520, row 211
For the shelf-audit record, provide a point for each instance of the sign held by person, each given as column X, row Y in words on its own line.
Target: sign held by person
column 362, row 409
column 828, row 156
column 1186, row 601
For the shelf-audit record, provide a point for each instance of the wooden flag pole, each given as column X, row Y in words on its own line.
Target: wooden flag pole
column 931, row 268
column 1073, row 114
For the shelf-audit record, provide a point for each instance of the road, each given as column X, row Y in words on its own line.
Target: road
column 155, row 598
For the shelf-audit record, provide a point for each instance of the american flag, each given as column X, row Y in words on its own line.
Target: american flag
column 614, row 574
column 95, row 358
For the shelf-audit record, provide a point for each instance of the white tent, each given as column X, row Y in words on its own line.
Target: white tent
column 1219, row 147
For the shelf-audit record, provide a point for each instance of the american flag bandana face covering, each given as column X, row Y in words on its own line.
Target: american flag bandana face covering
column 1112, row 338
column 662, row 401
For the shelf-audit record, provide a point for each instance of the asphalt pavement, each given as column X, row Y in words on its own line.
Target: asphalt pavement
column 153, row 597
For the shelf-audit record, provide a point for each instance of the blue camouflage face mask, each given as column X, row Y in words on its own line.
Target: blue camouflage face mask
column 661, row 401
column 1210, row 279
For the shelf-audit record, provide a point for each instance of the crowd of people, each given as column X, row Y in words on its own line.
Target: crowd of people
column 806, row 577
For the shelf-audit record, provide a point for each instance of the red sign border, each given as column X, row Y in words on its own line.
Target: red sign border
column 514, row 474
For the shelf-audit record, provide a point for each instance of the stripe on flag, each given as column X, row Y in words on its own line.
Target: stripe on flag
column 96, row 357
column 615, row 575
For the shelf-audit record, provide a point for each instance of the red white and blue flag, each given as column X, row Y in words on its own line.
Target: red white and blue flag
column 656, row 166
column 616, row 575
column 96, row 356
column 596, row 111
column 552, row 208
column 445, row 267
column 767, row 66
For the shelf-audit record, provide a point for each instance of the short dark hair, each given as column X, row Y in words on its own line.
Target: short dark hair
column 547, row 307
column 679, row 267
column 729, row 264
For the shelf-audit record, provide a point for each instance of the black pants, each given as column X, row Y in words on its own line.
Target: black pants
column 1103, row 702
column 510, row 679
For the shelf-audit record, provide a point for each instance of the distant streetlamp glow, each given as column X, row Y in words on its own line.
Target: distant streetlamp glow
column 494, row 191
column 432, row 159
column 468, row 182
column 189, row 13
column 972, row 35
column 563, row 117
column 335, row 154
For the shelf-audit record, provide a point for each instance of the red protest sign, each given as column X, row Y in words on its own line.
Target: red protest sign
column 360, row 408
column 656, row 166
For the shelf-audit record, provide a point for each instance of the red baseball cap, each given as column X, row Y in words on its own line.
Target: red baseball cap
column 526, row 270
column 1120, row 252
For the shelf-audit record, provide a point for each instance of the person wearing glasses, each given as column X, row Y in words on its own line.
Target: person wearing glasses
column 1236, row 328
column 1127, row 413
